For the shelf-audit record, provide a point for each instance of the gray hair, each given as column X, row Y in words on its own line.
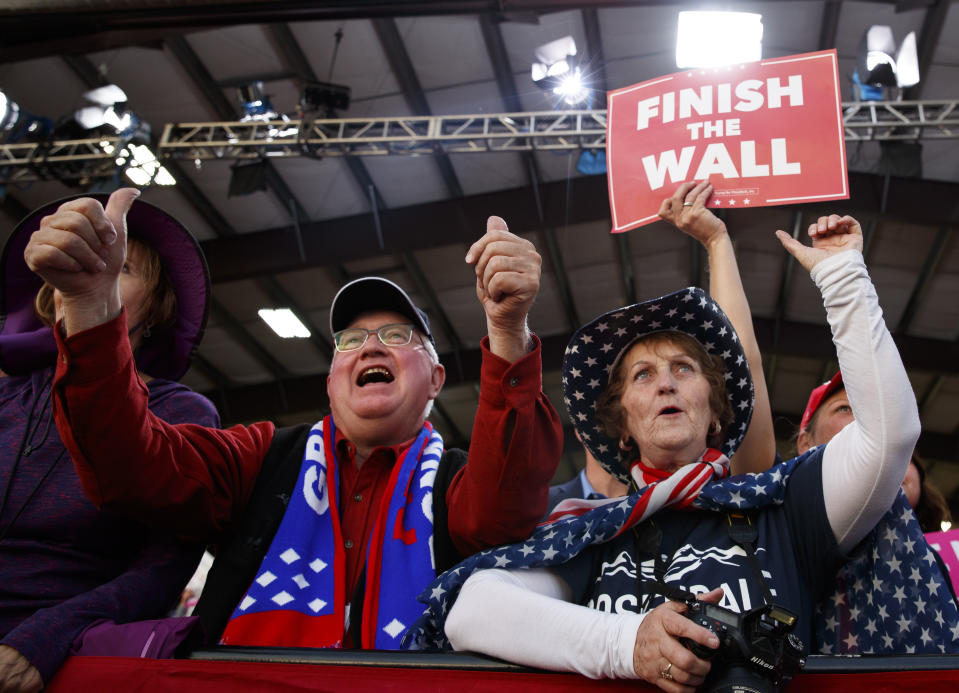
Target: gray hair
column 435, row 359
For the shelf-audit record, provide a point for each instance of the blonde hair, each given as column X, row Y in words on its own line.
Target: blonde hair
column 162, row 305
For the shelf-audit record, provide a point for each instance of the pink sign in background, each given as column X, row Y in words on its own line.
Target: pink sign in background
column 763, row 133
column 947, row 544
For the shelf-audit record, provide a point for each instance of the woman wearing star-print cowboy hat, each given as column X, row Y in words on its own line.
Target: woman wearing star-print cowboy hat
column 686, row 210
column 661, row 394
column 65, row 565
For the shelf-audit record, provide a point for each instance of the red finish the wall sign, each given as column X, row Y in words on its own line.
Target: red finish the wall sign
column 764, row 133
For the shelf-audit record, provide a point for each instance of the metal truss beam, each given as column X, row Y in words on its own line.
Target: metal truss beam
column 885, row 121
column 378, row 136
column 419, row 135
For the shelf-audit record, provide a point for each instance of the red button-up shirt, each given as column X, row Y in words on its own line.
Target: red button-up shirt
column 197, row 481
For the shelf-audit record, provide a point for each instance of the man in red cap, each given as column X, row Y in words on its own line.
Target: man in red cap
column 827, row 413
column 328, row 532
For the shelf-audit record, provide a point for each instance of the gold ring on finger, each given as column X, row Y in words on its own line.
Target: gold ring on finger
column 665, row 672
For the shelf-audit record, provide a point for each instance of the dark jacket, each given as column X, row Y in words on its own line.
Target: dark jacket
column 571, row 489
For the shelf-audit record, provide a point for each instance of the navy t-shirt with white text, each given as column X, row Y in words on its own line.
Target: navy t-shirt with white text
column 796, row 550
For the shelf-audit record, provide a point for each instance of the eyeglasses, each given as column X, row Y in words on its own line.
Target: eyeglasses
column 393, row 335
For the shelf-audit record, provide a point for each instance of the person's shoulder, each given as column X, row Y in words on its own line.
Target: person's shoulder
column 161, row 390
column 454, row 456
column 803, row 476
column 176, row 403
column 568, row 489
column 804, row 462
column 286, row 438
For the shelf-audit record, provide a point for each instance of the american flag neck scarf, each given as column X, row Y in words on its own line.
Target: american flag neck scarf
column 890, row 598
column 297, row 598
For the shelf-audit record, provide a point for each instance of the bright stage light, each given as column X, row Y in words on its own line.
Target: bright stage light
column 714, row 39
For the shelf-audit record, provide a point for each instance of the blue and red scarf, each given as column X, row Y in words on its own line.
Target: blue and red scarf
column 891, row 598
column 297, row 598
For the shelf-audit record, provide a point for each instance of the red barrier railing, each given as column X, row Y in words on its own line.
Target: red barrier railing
column 242, row 670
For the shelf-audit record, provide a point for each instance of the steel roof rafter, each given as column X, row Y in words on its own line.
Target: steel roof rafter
column 294, row 57
column 596, row 67
column 496, row 49
column 346, row 239
column 923, row 279
column 927, row 41
column 829, row 27
column 212, row 93
column 402, row 67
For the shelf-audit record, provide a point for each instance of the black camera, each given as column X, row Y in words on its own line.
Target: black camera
column 757, row 653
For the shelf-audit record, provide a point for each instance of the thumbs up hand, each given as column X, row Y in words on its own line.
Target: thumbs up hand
column 80, row 250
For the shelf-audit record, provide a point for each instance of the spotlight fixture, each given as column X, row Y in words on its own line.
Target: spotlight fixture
column 9, row 113
column 879, row 64
column 284, row 322
column 110, row 109
column 556, row 70
column 110, row 113
column 16, row 124
column 715, row 38
column 254, row 104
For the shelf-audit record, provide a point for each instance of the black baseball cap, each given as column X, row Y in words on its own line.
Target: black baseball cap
column 374, row 293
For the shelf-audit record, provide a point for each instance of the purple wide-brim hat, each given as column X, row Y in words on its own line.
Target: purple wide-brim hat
column 27, row 344
column 595, row 347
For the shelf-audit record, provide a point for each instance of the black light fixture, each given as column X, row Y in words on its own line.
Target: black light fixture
column 325, row 97
column 247, row 178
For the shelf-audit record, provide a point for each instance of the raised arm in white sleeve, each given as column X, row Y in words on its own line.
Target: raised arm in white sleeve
column 527, row 619
column 863, row 465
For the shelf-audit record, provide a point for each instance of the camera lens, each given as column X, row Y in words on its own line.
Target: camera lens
column 737, row 678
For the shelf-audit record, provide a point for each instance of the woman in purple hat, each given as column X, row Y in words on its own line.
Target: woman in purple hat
column 65, row 565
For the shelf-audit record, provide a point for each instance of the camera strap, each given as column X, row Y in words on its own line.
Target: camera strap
column 744, row 533
column 648, row 541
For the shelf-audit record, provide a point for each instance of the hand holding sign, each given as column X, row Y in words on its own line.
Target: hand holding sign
column 686, row 210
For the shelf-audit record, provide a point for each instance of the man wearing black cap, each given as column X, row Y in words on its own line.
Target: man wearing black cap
column 326, row 533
